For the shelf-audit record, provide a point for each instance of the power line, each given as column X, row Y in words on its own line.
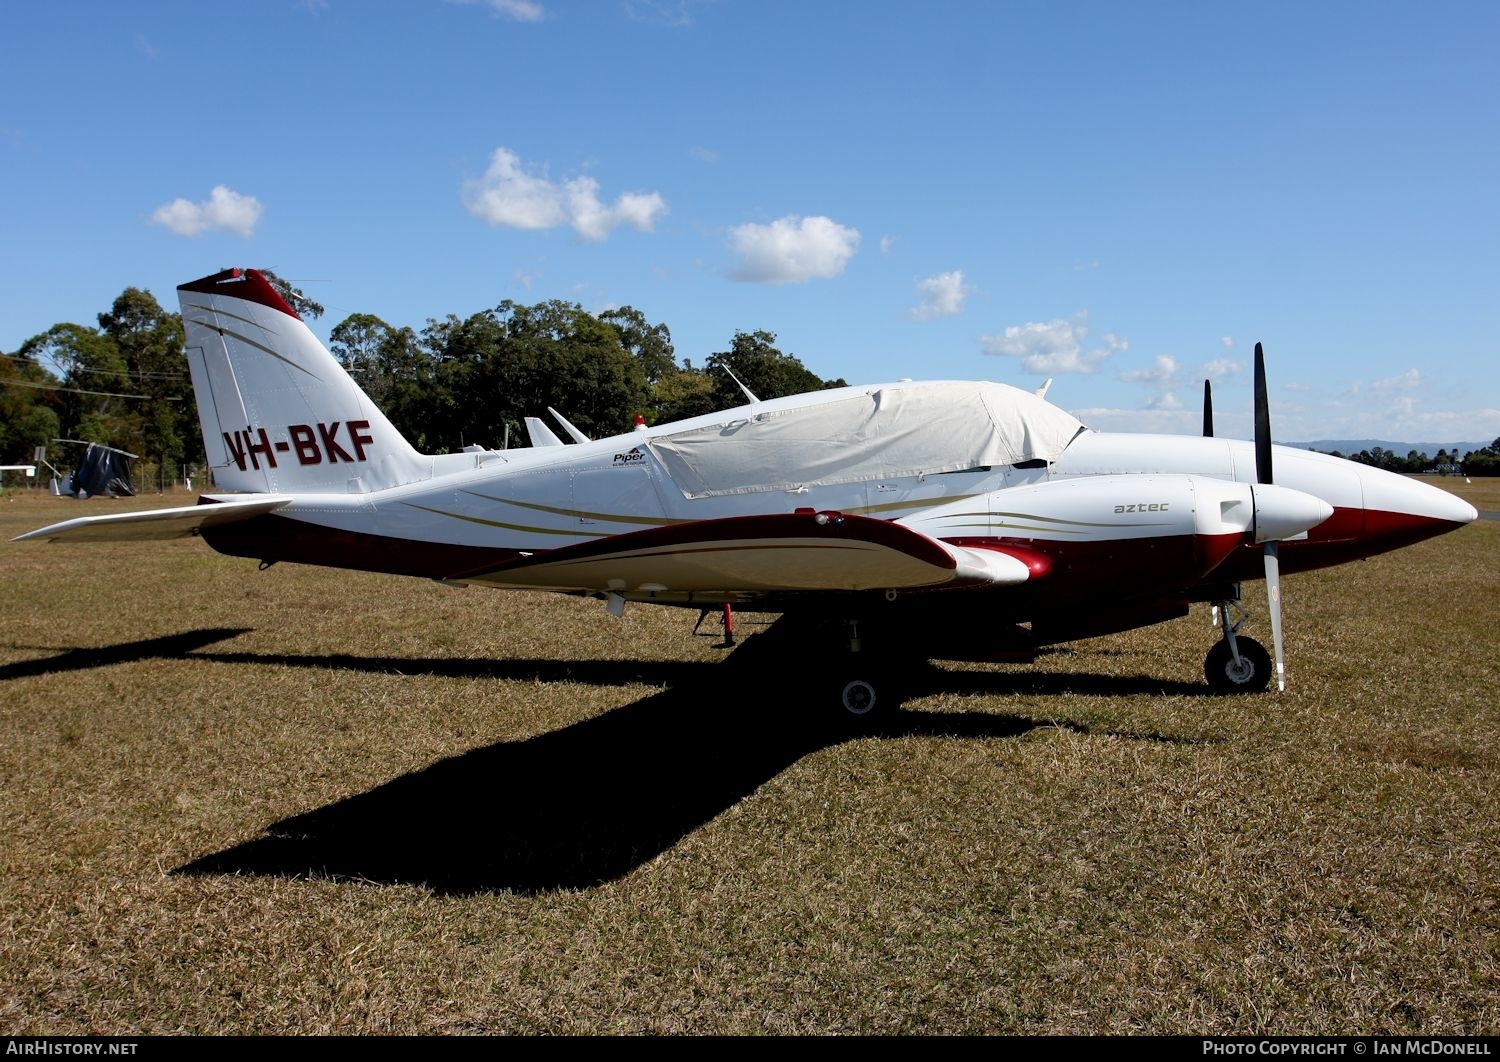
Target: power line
column 104, row 372
column 78, row 391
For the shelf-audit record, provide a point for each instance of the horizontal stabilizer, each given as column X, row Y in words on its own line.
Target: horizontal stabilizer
column 540, row 434
column 573, row 433
column 157, row 524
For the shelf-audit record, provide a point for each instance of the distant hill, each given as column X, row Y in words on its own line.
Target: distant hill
column 1354, row 446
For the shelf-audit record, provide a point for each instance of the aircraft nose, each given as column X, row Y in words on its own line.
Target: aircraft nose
column 1401, row 497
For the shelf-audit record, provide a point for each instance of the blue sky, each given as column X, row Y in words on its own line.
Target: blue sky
column 1122, row 197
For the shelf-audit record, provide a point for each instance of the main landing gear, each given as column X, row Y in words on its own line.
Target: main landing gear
column 1236, row 664
column 865, row 687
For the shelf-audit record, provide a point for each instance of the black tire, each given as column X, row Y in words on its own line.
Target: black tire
column 1252, row 675
column 861, row 697
column 865, row 697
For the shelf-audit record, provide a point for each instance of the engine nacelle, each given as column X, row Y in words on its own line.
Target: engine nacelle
column 1146, row 531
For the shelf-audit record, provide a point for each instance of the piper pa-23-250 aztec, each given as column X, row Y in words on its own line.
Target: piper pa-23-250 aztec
column 950, row 520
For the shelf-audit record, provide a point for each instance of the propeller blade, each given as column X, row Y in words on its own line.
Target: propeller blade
column 1262, row 421
column 1273, row 604
column 1263, row 476
column 1208, row 410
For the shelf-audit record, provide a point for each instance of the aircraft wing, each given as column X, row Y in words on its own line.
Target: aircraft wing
column 155, row 524
column 784, row 552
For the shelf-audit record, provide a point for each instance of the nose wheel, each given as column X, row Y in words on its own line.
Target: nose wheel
column 1236, row 664
column 1250, row 672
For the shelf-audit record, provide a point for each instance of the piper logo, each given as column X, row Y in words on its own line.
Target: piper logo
column 630, row 457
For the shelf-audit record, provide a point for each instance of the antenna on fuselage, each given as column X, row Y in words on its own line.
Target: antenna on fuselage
column 748, row 393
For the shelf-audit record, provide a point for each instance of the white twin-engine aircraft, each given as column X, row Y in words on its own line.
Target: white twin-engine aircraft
column 949, row 520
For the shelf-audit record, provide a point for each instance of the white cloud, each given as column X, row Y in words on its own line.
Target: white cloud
column 147, row 48
column 1227, row 342
column 508, row 195
column 886, row 242
column 224, row 209
column 678, row 13
column 792, row 249
column 1401, row 421
column 1221, row 369
column 943, row 295
column 518, row 10
column 1164, row 402
column 1162, row 371
column 1408, row 380
column 1296, row 388
column 594, row 220
column 703, row 154
column 1055, row 347
column 1168, row 421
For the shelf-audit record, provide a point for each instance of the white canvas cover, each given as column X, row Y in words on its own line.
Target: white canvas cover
column 878, row 433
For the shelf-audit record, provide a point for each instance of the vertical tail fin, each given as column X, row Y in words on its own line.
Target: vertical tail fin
column 279, row 413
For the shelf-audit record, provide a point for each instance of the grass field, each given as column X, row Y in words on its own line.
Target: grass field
column 301, row 801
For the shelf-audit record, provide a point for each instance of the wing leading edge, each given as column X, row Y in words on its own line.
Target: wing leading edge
column 156, row 524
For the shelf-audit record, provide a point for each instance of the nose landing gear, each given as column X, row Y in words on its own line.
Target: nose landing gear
column 1236, row 664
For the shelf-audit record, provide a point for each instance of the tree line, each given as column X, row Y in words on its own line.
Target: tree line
column 1482, row 462
column 456, row 382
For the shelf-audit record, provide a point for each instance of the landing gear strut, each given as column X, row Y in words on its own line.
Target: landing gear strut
column 1236, row 664
column 866, row 688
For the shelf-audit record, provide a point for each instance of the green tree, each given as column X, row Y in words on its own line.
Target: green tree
column 27, row 416
column 1482, row 462
column 93, row 404
column 150, row 339
column 754, row 358
column 357, row 341
column 682, row 394
column 496, row 367
column 305, row 307
column 650, row 345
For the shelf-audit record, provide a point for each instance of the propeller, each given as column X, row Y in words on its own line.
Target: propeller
column 1263, row 475
column 1208, row 410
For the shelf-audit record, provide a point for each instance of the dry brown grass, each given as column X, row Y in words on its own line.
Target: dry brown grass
column 314, row 801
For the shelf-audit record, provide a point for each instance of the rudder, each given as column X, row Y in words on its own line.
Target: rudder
column 279, row 413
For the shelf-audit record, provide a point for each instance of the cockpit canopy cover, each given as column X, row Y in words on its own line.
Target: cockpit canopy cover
column 860, row 435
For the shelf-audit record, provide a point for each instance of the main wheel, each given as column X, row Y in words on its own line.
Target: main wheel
column 1251, row 675
column 866, row 695
column 860, row 697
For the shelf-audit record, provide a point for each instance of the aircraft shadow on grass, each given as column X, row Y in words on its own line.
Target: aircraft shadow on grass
column 588, row 803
